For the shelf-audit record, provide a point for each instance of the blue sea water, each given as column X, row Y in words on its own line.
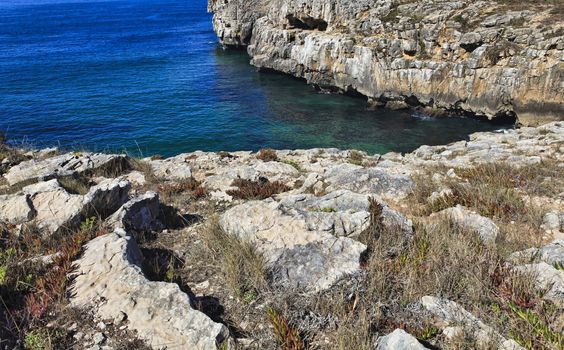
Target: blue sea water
column 148, row 76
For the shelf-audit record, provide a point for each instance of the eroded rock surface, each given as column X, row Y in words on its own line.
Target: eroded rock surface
column 306, row 239
column 108, row 277
column 70, row 164
column 477, row 56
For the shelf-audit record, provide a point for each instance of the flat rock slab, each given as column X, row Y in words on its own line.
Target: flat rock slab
column 49, row 206
column 63, row 165
column 109, row 279
column 373, row 181
column 304, row 239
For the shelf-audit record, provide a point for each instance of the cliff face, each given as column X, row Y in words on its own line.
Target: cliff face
column 482, row 57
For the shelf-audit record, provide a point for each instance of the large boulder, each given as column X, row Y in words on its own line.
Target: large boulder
column 298, row 256
column 399, row 340
column 70, row 164
column 108, row 278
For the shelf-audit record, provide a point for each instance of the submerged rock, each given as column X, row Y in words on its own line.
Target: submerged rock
column 108, row 278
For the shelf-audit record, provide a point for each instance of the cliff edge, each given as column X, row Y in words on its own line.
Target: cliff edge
column 488, row 58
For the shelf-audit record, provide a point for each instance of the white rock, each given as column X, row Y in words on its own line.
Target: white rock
column 108, row 278
column 398, row 340
column 63, row 165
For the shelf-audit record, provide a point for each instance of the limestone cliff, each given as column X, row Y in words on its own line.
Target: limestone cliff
column 489, row 58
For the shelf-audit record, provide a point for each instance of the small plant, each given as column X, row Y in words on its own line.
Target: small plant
column 3, row 274
column 250, row 296
column 355, row 157
column 74, row 186
column 267, row 155
column 88, row 224
column 288, row 337
column 191, row 186
column 294, row 164
column 36, row 340
column 322, row 210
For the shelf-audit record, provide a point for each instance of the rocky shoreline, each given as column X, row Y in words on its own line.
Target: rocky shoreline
column 498, row 59
column 454, row 246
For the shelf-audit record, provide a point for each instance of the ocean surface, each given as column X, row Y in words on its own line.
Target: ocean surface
column 148, row 76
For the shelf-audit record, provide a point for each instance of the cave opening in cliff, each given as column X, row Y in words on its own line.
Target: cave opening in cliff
column 307, row 23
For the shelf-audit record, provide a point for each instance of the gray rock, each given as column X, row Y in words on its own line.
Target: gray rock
column 398, row 340
column 140, row 214
column 175, row 168
column 450, row 313
column 548, row 280
column 109, row 279
column 552, row 254
column 485, row 228
column 297, row 256
column 16, row 209
column 372, row 181
column 70, row 164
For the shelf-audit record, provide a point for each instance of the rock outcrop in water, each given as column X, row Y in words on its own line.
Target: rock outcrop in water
column 488, row 58
column 453, row 246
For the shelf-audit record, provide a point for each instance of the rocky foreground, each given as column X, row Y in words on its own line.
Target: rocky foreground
column 453, row 247
column 491, row 58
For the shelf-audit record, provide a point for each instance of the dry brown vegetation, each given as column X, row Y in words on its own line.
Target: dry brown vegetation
column 267, row 155
column 261, row 189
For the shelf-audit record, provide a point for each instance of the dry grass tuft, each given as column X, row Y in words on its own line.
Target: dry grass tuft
column 242, row 266
column 189, row 186
column 356, row 158
column 257, row 189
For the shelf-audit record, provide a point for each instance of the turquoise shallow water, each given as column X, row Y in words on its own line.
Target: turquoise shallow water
column 149, row 76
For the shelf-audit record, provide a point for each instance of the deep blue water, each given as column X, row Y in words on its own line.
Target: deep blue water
column 149, row 75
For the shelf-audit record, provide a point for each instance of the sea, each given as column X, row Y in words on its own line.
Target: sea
column 149, row 77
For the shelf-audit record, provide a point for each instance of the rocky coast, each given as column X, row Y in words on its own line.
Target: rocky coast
column 497, row 59
column 453, row 247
